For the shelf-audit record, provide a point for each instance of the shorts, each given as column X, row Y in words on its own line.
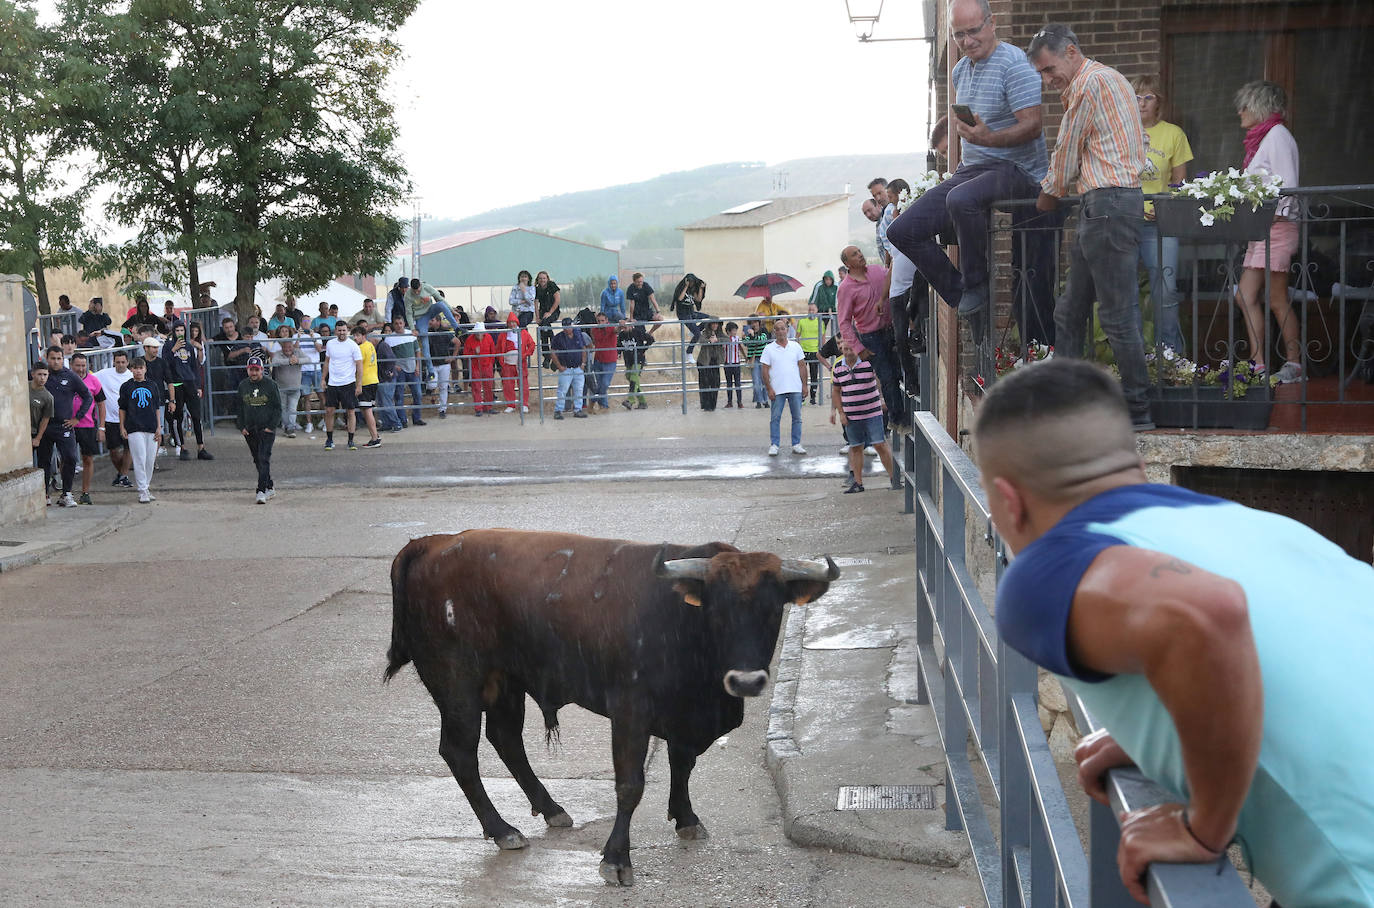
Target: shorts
column 114, row 440
column 870, row 431
column 87, row 441
column 1283, row 243
column 368, row 397
column 340, row 397
column 310, row 380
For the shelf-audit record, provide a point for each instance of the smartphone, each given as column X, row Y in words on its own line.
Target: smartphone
column 962, row 112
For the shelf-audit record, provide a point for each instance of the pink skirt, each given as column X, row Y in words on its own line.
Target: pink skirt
column 1283, row 243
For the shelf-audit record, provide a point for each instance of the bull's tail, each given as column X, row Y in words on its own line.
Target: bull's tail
column 398, row 655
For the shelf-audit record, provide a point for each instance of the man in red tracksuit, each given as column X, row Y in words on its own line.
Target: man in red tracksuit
column 481, row 351
column 514, row 346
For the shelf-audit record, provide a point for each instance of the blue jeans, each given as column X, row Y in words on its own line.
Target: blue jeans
column 792, row 400
column 386, row 406
column 1160, row 261
column 886, row 367
column 966, row 200
column 760, row 392
column 604, row 372
column 422, row 328
column 1106, row 249
column 570, row 379
column 406, row 380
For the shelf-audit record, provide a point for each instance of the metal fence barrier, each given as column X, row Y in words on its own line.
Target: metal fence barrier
column 985, row 694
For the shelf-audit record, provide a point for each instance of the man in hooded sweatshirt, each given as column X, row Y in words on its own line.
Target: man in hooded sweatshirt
column 613, row 301
column 481, row 352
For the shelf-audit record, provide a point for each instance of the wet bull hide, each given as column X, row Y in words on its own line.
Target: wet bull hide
column 663, row 640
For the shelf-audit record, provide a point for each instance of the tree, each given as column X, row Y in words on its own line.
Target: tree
column 42, row 219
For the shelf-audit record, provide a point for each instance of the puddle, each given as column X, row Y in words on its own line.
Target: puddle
column 866, row 637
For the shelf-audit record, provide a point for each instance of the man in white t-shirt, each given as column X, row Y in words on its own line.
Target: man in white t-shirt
column 784, row 374
column 343, row 383
column 111, row 380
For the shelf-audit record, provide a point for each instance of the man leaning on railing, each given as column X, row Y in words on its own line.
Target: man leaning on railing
column 1224, row 650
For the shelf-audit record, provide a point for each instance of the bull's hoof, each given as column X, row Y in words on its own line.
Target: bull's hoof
column 617, row 876
column 511, row 841
column 559, row 820
column 688, row 833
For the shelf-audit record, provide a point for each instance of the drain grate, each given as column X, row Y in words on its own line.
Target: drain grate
column 10, row 544
column 886, row 797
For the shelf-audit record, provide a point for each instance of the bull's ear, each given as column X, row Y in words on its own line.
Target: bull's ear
column 690, row 590
column 801, row 592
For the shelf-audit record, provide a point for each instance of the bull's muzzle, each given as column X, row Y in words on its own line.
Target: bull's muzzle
column 745, row 684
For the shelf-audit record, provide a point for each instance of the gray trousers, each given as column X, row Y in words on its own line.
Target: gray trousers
column 1106, row 248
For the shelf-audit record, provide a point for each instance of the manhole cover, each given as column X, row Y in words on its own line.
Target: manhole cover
column 886, row 797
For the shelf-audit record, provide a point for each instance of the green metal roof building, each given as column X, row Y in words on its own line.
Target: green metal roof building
column 492, row 258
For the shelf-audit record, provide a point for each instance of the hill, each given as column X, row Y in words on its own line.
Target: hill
column 655, row 208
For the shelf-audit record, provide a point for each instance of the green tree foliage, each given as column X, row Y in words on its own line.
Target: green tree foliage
column 273, row 141
column 42, row 198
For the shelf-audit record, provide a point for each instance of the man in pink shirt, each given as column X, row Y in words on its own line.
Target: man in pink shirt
column 865, row 321
column 87, row 433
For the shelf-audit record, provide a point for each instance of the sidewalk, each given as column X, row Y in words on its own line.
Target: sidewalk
column 23, row 544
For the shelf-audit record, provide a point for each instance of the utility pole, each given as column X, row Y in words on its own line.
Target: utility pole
column 779, row 181
column 416, row 216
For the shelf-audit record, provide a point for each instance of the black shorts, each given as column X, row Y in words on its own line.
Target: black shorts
column 368, row 397
column 340, row 397
column 114, row 441
column 87, row 441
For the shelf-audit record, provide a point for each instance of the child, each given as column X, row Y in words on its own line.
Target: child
column 755, row 339
column 140, row 421
column 480, row 351
column 857, row 400
column 634, row 345
column 734, row 355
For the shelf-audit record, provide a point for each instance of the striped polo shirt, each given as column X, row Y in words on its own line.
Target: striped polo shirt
column 859, row 394
column 995, row 89
column 1101, row 141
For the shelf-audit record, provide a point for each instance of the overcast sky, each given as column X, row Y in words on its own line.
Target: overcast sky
column 504, row 102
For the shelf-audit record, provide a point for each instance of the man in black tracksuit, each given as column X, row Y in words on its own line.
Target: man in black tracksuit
column 259, row 414
column 64, row 387
column 183, row 390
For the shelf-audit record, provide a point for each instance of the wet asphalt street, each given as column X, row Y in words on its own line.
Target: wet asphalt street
column 194, row 714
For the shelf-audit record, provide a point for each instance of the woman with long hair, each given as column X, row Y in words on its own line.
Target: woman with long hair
column 687, row 299
column 522, row 299
column 709, row 360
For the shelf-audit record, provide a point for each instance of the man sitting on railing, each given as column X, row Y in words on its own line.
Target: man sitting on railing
column 1226, row 650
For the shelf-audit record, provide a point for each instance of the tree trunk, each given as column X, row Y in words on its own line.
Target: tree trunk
column 40, row 287
column 245, row 285
column 188, row 229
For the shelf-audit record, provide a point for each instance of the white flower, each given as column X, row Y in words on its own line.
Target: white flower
column 1234, row 193
column 1206, row 218
column 1232, row 173
column 1219, row 199
column 1169, row 353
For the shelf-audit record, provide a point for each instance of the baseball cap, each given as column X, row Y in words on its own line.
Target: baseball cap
column 257, row 361
column 151, row 342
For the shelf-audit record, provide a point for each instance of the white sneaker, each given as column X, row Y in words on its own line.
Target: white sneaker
column 844, row 449
column 871, row 451
column 270, row 493
column 524, row 409
column 508, row 410
column 1290, row 373
column 162, row 452
column 798, row 449
column 690, row 358
column 309, row 429
column 66, row 501
column 772, row 450
column 144, row 498
column 262, row 498
column 152, row 497
column 78, row 466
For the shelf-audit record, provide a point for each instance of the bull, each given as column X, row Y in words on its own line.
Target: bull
column 664, row 641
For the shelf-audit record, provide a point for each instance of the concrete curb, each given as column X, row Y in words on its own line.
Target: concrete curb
column 119, row 516
column 928, row 844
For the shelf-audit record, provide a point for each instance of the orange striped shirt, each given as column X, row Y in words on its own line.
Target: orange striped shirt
column 1101, row 141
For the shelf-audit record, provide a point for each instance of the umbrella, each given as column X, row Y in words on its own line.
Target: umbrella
column 770, row 284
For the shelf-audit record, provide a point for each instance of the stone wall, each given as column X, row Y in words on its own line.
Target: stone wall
column 21, row 492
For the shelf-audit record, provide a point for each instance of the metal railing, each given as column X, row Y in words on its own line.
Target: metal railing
column 985, row 694
column 1330, row 290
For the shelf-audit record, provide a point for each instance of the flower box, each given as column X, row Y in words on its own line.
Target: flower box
column 1207, row 407
column 1180, row 218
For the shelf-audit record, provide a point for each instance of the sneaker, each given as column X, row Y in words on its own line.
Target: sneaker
column 972, row 301
column 374, row 443
column 262, row 498
column 117, row 481
column 689, row 358
column 443, row 414
column 419, row 422
column 871, row 451
column 329, row 445
column 772, row 450
column 579, row 414
column 508, row 410
column 162, row 451
column 476, row 412
column 66, row 501
column 557, row 414
column 126, row 482
column 152, row 497
column 1290, row 373
column 270, row 493
column 732, row 406
column 78, row 466
column 203, row 454
column 309, row 429
column 290, row 434
column 856, row 487
column 798, row 449
column 184, row 455
column 641, row 406
column 85, row 498
column 352, row 446
column 524, row 409
column 627, row 405
column 144, row 498
column 844, row 449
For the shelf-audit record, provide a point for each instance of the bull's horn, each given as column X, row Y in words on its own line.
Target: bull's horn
column 681, row 568
column 810, row 570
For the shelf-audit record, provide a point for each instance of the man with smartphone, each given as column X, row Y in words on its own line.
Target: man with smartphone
column 1003, row 157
